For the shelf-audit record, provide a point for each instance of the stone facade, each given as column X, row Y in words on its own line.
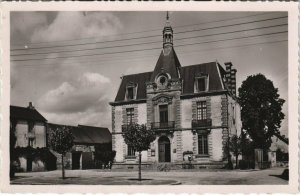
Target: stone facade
column 192, row 109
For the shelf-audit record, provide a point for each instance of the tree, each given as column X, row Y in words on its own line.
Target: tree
column 261, row 110
column 139, row 138
column 235, row 148
column 104, row 154
column 61, row 140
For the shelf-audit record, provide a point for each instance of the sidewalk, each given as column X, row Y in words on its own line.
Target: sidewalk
column 100, row 177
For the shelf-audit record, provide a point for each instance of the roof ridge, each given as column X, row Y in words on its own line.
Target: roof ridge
column 138, row 73
column 198, row 64
column 91, row 126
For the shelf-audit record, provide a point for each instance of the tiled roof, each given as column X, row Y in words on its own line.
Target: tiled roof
column 87, row 134
column 22, row 113
column 188, row 74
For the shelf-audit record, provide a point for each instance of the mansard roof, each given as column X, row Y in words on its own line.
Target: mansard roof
column 168, row 62
column 214, row 71
column 23, row 113
column 140, row 79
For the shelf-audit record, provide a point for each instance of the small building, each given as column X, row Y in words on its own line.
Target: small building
column 29, row 128
column 86, row 138
column 193, row 109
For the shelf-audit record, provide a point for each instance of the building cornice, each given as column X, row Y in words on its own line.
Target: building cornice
column 201, row 94
column 119, row 103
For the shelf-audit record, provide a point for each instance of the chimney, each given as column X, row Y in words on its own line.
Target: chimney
column 30, row 106
column 233, row 81
column 228, row 66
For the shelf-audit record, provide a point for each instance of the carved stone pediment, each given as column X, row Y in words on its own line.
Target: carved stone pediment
column 163, row 98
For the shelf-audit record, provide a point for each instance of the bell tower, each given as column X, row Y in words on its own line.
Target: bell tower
column 167, row 34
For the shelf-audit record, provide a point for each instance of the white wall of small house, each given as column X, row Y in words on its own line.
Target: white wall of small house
column 21, row 133
column 40, row 135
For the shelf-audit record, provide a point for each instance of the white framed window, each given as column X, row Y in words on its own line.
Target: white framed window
column 201, row 83
column 202, row 144
column 131, row 91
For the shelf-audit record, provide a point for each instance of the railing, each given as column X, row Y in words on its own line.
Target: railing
column 163, row 125
column 201, row 123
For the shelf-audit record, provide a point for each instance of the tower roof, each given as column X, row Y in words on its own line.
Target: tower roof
column 168, row 63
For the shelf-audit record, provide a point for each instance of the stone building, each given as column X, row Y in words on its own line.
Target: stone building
column 29, row 128
column 193, row 109
column 85, row 139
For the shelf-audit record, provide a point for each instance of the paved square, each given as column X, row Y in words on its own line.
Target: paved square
column 117, row 177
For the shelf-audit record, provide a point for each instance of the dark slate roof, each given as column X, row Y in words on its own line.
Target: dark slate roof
column 87, row 134
column 168, row 61
column 93, row 135
column 188, row 74
column 140, row 79
column 22, row 113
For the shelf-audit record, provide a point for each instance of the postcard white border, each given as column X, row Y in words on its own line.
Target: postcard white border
column 290, row 7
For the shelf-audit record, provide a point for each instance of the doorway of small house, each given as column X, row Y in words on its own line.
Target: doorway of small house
column 164, row 148
column 76, row 160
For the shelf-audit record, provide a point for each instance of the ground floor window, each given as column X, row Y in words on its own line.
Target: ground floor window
column 202, row 144
column 130, row 151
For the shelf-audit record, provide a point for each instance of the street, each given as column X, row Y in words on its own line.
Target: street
column 198, row 177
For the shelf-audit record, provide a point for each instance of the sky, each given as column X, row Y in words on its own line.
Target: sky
column 69, row 64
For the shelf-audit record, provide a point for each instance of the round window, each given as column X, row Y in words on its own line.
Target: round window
column 162, row 80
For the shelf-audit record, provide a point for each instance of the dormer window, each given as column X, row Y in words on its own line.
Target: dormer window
column 131, row 91
column 201, row 83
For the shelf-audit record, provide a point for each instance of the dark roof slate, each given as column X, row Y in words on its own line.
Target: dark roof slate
column 188, row 74
column 168, row 61
column 87, row 134
column 22, row 113
column 140, row 79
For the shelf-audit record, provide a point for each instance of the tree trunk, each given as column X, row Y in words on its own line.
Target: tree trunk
column 236, row 161
column 140, row 164
column 62, row 166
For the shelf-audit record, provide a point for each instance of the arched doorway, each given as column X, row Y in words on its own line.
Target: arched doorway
column 164, row 149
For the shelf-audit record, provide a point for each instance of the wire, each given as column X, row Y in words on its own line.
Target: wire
column 138, row 59
column 45, row 47
column 151, row 56
column 118, row 46
column 158, row 29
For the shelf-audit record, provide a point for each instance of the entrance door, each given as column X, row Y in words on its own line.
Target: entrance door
column 29, row 163
column 76, row 160
column 164, row 149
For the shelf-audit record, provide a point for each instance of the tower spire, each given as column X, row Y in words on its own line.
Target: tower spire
column 167, row 33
